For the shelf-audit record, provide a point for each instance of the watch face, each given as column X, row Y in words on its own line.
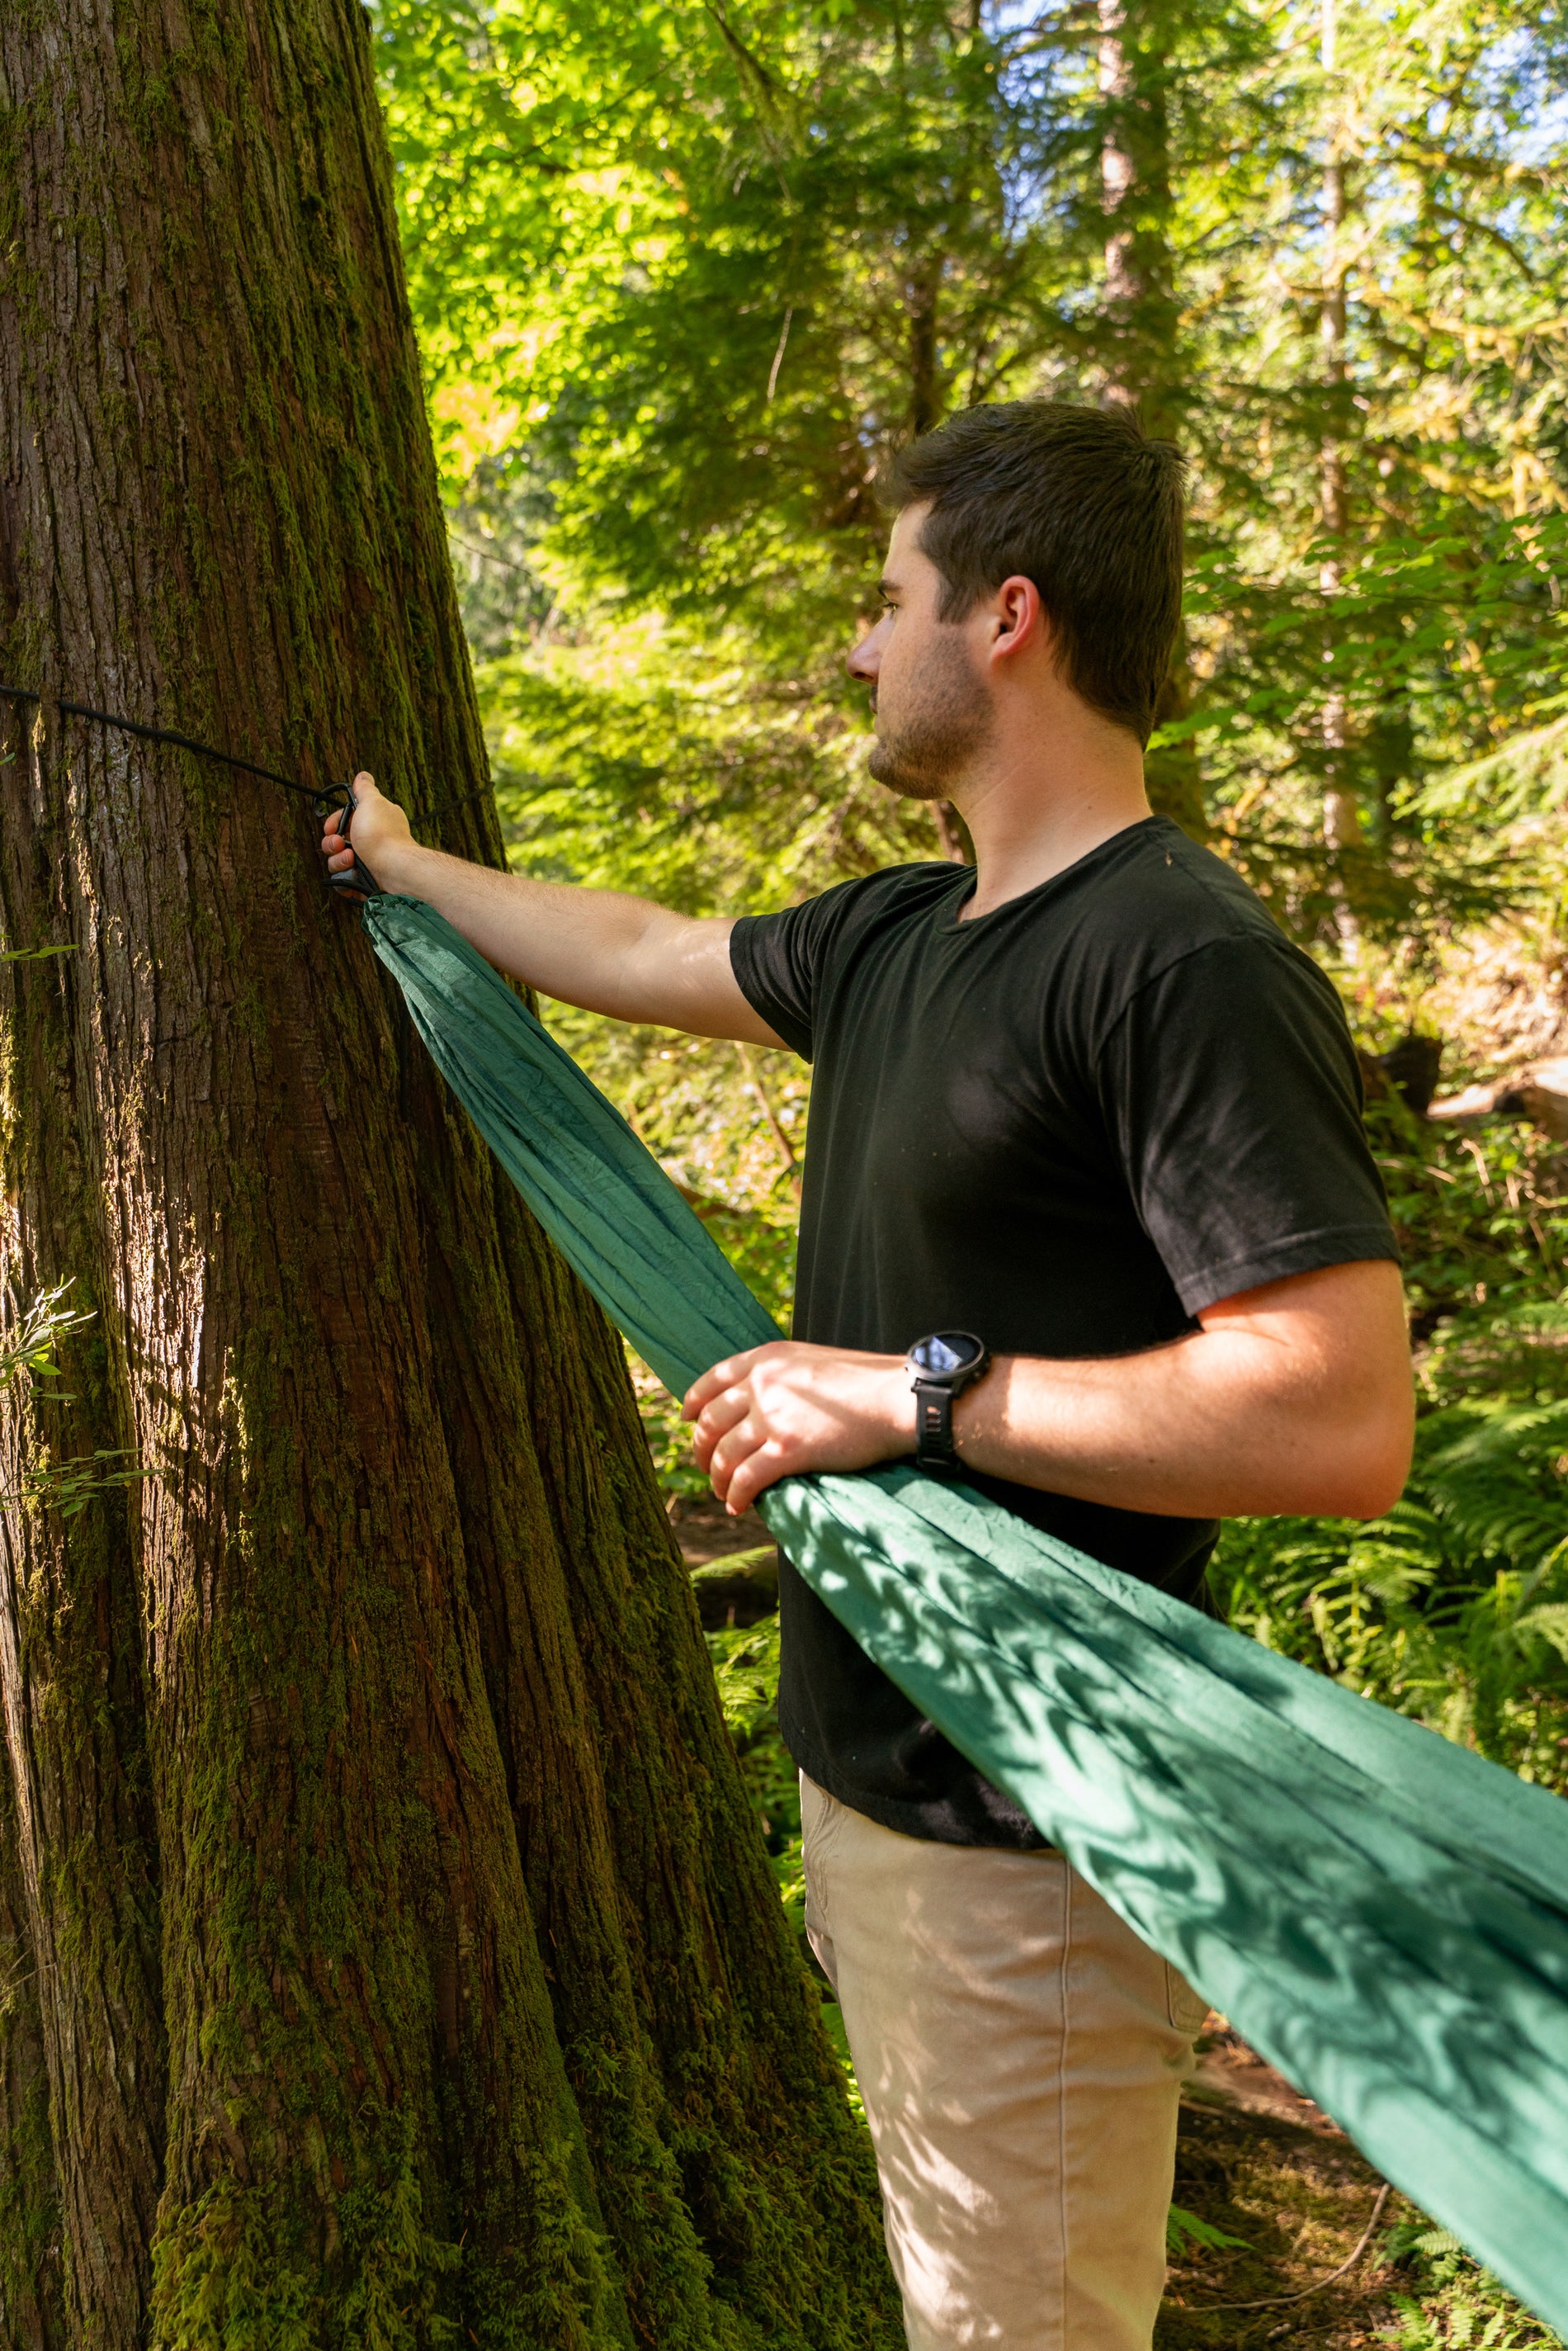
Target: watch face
column 946, row 1352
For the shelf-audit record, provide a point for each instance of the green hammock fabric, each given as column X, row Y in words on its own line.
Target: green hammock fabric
column 1383, row 1914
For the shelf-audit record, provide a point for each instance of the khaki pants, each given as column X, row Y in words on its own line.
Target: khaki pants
column 1021, row 2053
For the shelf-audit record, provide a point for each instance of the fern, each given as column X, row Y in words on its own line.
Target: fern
column 1454, row 1607
column 1456, row 2301
column 1185, row 2230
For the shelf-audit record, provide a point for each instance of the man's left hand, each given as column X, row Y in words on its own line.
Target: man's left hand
column 779, row 1410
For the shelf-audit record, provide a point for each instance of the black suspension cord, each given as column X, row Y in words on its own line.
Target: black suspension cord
column 164, row 735
column 358, row 879
column 322, row 800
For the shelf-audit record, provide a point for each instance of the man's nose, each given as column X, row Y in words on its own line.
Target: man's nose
column 865, row 659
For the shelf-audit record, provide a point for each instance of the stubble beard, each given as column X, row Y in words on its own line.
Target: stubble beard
column 941, row 720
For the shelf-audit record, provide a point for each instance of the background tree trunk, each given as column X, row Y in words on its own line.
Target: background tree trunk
column 1139, row 364
column 1341, row 802
column 1139, row 317
column 403, row 1947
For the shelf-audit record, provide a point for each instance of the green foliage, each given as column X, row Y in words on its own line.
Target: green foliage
column 68, row 1486
column 1527, row 776
column 1432, row 638
column 684, row 280
column 1454, row 1608
column 634, row 760
column 746, row 1668
column 29, row 1357
column 1449, row 2299
column 708, row 264
column 620, row 765
column 1478, row 1221
column 30, row 1345
column 1188, row 2231
column 746, row 1661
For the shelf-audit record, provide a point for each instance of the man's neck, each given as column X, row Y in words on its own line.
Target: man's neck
column 1031, row 811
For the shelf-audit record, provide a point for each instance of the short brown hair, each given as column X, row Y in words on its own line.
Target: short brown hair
column 1082, row 503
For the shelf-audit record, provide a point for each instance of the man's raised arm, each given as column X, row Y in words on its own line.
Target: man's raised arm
column 596, row 948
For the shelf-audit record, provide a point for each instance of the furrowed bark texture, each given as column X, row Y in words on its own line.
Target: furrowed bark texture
column 30, row 2305
column 82, row 1848
column 397, row 1945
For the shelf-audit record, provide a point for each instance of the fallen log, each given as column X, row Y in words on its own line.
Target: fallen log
column 1538, row 1092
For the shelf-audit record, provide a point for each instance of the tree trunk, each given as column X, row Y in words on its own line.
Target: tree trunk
column 1138, row 327
column 922, row 298
column 402, row 1945
column 31, row 2317
column 1137, row 336
column 1341, row 807
column 1341, row 801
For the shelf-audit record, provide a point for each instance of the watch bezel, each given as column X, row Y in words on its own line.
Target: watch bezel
column 957, row 1375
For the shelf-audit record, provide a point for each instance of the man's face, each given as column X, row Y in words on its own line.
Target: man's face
column 927, row 689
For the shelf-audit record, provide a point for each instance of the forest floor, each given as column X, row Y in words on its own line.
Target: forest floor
column 1323, row 2254
column 1263, row 2167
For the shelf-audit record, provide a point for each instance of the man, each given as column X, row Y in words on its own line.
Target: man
column 1088, row 1104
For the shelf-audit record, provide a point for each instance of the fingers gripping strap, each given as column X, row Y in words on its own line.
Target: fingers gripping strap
column 356, row 878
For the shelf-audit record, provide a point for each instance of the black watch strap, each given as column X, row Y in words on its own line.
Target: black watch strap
column 940, row 1366
column 934, row 1446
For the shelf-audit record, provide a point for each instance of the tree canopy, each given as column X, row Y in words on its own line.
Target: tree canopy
column 683, row 277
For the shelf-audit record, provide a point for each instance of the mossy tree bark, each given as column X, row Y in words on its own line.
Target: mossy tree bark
column 398, row 1946
column 31, row 2316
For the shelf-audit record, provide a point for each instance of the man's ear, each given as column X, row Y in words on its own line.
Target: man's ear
column 1019, row 620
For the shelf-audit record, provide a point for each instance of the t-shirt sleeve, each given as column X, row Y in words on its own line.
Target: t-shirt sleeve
column 777, row 959
column 1232, row 1086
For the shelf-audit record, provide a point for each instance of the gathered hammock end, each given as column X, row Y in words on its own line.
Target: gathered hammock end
column 1383, row 1914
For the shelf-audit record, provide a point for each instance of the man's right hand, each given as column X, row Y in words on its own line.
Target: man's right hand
column 377, row 834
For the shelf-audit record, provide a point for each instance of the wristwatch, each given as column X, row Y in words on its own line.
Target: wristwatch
column 940, row 1366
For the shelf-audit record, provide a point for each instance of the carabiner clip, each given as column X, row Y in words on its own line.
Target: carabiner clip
column 359, row 876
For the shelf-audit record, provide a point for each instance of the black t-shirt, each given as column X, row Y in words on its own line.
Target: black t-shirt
column 1067, row 1125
